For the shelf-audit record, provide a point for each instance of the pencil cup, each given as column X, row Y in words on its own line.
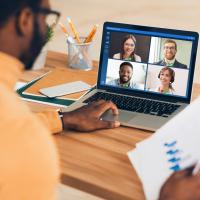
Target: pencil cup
column 79, row 55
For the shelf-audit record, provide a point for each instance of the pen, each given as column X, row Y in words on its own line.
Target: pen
column 74, row 30
column 64, row 30
column 92, row 33
column 70, row 40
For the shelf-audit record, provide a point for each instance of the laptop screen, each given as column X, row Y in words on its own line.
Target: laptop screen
column 154, row 61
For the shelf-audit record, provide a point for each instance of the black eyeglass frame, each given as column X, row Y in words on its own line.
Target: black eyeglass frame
column 47, row 11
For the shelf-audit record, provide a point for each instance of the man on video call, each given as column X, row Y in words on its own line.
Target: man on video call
column 29, row 168
column 169, row 60
column 125, row 76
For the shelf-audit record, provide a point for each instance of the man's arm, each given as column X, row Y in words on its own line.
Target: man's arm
column 86, row 118
column 52, row 120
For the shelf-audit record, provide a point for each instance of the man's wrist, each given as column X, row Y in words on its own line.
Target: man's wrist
column 60, row 113
column 67, row 120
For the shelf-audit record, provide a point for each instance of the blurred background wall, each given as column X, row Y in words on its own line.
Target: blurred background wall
column 177, row 14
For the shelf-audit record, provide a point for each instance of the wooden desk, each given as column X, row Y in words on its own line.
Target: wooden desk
column 97, row 162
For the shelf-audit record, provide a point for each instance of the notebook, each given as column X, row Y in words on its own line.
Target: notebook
column 62, row 76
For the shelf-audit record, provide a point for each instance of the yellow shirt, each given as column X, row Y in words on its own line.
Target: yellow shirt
column 29, row 168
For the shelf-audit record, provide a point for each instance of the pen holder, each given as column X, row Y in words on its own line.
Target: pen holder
column 79, row 56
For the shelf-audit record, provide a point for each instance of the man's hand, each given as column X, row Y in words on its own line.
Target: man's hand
column 87, row 118
column 181, row 185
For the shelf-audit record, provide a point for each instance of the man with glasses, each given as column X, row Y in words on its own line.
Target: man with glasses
column 29, row 168
column 169, row 60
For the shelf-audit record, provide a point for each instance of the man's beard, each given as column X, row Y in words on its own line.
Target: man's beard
column 36, row 44
column 124, row 81
column 171, row 58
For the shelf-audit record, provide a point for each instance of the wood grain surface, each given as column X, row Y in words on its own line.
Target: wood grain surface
column 97, row 162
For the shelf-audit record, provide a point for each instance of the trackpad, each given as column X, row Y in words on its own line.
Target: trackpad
column 122, row 117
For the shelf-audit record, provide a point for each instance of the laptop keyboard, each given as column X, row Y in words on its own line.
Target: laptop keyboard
column 138, row 105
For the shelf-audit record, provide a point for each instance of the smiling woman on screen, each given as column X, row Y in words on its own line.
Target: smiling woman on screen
column 128, row 50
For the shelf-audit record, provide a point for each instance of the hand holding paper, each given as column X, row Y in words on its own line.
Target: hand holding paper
column 174, row 147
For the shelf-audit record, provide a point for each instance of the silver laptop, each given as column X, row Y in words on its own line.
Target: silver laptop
column 146, row 71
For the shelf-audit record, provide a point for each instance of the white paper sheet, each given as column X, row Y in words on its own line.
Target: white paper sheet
column 173, row 147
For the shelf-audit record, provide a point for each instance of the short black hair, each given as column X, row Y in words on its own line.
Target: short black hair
column 126, row 63
column 9, row 8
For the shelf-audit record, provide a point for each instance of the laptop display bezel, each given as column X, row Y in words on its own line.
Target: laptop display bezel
column 146, row 94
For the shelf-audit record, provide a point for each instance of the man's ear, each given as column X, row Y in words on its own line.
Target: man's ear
column 25, row 22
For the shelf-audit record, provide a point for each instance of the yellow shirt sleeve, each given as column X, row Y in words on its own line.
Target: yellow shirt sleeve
column 52, row 120
column 29, row 168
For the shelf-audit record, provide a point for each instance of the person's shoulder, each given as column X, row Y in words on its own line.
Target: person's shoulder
column 135, row 85
column 11, row 103
column 112, row 82
column 177, row 64
column 137, row 58
column 116, row 56
column 172, row 91
column 158, row 63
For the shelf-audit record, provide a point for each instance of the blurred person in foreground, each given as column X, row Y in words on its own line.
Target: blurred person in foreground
column 29, row 168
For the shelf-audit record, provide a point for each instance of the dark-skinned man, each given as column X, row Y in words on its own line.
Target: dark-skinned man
column 29, row 162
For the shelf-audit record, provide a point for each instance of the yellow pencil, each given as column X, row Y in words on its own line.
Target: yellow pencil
column 92, row 33
column 64, row 30
column 74, row 30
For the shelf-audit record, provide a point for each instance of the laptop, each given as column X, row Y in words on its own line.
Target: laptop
column 146, row 71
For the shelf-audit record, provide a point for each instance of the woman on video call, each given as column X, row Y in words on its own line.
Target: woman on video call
column 167, row 77
column 128, row 50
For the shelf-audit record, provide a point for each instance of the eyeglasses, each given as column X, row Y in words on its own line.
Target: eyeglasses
column 129, row 44
column 52, row 17
column 170, row 48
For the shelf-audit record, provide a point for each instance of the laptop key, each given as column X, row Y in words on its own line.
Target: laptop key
column 134, row 104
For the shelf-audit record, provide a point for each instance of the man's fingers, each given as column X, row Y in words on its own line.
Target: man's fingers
column 196, row 170
column 179, row 174
column 96, row 103
column 107, row 124
column 106, row 106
